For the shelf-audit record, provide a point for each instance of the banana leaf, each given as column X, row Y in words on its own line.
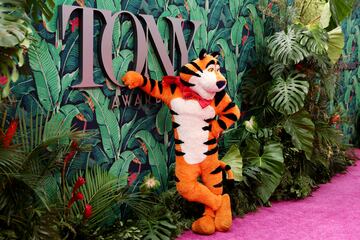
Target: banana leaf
column 157, row 157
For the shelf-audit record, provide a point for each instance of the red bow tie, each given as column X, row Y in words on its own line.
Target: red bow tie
column 187, row 92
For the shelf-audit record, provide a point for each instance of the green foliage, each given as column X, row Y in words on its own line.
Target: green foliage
column 314, row 39
column 340, row 9
column 46, row 75
column 28, row 172
column 108, row 124
column 157, row 157
column 335, row 44
column 234, row 160
column 270, row 162
column 158, row 224
column 14, row 23
column 284, row 47
column 301, row 129
column 15, row 34
column 288, row 95
column 292, row 146
column 126, row 137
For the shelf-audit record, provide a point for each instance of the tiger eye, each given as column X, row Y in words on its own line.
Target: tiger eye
column 211, row 69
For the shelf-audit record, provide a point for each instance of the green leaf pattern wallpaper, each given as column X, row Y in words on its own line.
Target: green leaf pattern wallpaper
column 135, row 140
column 348, row 94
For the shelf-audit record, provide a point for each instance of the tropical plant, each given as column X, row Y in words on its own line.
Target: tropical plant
column 15, row 32
column 287, row 96
column 285, row 48
column 286, row 141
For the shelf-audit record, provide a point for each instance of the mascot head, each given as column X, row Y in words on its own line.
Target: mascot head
column 203, row 75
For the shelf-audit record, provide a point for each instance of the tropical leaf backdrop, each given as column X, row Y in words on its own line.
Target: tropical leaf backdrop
column 135, row 141
column 349, row 90
column 131, row 141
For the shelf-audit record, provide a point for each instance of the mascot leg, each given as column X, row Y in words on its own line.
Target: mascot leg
column 188, row 187
column 213, row 179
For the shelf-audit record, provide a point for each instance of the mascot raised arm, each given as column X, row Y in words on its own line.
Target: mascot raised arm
column 201, row 110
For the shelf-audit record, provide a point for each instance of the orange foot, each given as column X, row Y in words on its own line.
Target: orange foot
column 223, row 218
column 204, row 225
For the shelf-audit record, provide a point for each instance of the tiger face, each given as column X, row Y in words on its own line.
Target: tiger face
column 203, row 75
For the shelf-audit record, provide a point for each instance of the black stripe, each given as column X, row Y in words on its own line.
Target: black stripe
column 209, row 120
column 177, row 179
column 222, row 124
column 211, row 141
column 160, row 87
column 175, row 125
column 209, row 63
column 215, row 54
column 227, row 168
column 178, row 141
column 220, row 184
column 212, row 151
column 229, row 106
column 188, row 71
column 219, row 96
column 145, row 80
column 172, row 88
column 196, row 66
column 178, row 153
column 173, row 112
column 186, row 84
column 231, row 116
column 152, row 83
column 217, row 170
column 207, row 128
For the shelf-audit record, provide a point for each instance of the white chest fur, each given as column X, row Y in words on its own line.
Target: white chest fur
column 191, row 119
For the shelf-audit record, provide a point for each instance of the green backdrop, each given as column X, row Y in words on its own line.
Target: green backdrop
column 349, row 89
column 135, row 138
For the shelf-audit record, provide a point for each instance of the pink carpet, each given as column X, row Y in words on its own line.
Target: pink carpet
column 331, row 213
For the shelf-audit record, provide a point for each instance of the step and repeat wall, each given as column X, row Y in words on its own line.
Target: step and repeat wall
column 132, row 132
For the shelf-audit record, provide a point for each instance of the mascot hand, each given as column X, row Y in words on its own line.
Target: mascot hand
column 133, row 79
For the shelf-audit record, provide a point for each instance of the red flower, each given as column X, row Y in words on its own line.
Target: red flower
column 270, row 5
column 69, row 156
column 10, row 133
column 74, row 24
column 3, row 80
column 132, row 178
column 334, row 119
column 87, row 211
column 244, row 39
column 79, row 182
column 298, row 66
column 78, row 196
column 74, row 145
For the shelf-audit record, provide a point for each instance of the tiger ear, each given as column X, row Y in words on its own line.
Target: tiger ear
column 215, row 54
column 202, row 54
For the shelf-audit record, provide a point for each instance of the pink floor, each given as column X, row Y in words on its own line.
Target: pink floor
column 331, row 213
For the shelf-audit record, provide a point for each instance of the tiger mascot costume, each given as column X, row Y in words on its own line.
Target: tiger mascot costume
column 200, row 110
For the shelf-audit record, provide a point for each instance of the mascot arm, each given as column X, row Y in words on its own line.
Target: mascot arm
column 227, row 112
column 152, row 87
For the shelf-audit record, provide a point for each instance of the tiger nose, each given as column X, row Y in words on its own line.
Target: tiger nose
column 220, row 84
